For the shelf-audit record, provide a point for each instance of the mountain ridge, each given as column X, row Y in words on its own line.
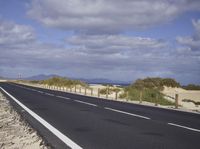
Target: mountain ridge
column 90, row 81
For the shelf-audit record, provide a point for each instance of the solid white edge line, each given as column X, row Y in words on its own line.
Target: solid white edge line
column 56, row 132
column 185, row 127
column 87, row 103
column 136, row 115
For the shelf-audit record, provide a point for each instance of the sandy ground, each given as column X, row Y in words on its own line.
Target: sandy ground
column 2, row 80
column 91, row 90
column 183, row 94
column 14, row 132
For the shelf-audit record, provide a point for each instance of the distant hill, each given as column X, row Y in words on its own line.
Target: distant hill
column 103, row 81
column 2, row 78
column 89, row 81
column 41, row 77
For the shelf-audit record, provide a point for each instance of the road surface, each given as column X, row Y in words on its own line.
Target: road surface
column 67, row 120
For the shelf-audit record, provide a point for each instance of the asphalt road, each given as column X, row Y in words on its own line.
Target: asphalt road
column 93, row 123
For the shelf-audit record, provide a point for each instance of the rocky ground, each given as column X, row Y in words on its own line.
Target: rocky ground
column 14, row 132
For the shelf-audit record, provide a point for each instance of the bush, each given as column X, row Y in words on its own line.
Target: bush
column 104, row 91
column 110, row 90
column 192, row 87
column 115, row 89
column 155, row 83
column 149, row 95
column 123, row 95
column 150, row 88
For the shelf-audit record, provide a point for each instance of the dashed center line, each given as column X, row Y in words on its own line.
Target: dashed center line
column 87, row 103
column 185, row 127
column 49, row 94
column 119, row 111
column 62, row 97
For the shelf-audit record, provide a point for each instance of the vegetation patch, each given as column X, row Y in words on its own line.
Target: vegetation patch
column 191, row 87
column 110, row 90
column 148, row 89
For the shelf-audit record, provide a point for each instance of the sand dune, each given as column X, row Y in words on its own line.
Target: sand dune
column 184, row 94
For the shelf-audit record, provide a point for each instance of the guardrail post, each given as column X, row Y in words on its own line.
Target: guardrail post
column 70, row 88
column 107, row 92
column 156, row 102
column 91, row 91
column 80, row 90
column 85, row 90
column 126, row 95
column 140, row 96
column 176, row 101
column 98, row 92
column 75, row 88
column 116, row 95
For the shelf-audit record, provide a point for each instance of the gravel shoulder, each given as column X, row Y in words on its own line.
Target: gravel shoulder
column 15, row 133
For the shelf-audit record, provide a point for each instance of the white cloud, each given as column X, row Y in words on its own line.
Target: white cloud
column 107, row 16
column 196, row 25
column 115, row 44
column 192, row 42
column 117, row 57
column 11, row 33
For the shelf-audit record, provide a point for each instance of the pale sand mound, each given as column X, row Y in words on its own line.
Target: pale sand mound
column 2, row 80
column 14, row 132
column 183, row 94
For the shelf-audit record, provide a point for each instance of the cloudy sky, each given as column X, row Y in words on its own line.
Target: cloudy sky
column 114, row 39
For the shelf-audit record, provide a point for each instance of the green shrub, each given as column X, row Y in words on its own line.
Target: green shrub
column 192, row 87
column 104, row 91
column 155, row 83
column 123, row 95
column 115, row 89
column 149, row 95
column 110, row 90
column 150, row 88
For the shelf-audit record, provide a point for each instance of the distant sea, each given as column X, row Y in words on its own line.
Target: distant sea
column 118, row 84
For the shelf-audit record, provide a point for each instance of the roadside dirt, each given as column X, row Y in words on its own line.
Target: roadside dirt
column 14, row 132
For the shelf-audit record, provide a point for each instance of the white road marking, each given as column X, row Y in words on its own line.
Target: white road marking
column 136, row 115
column 87, row 103
column 62, row 97
column 185, row 127
column 56, row 132
column 49, row 94
column 40, row 92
